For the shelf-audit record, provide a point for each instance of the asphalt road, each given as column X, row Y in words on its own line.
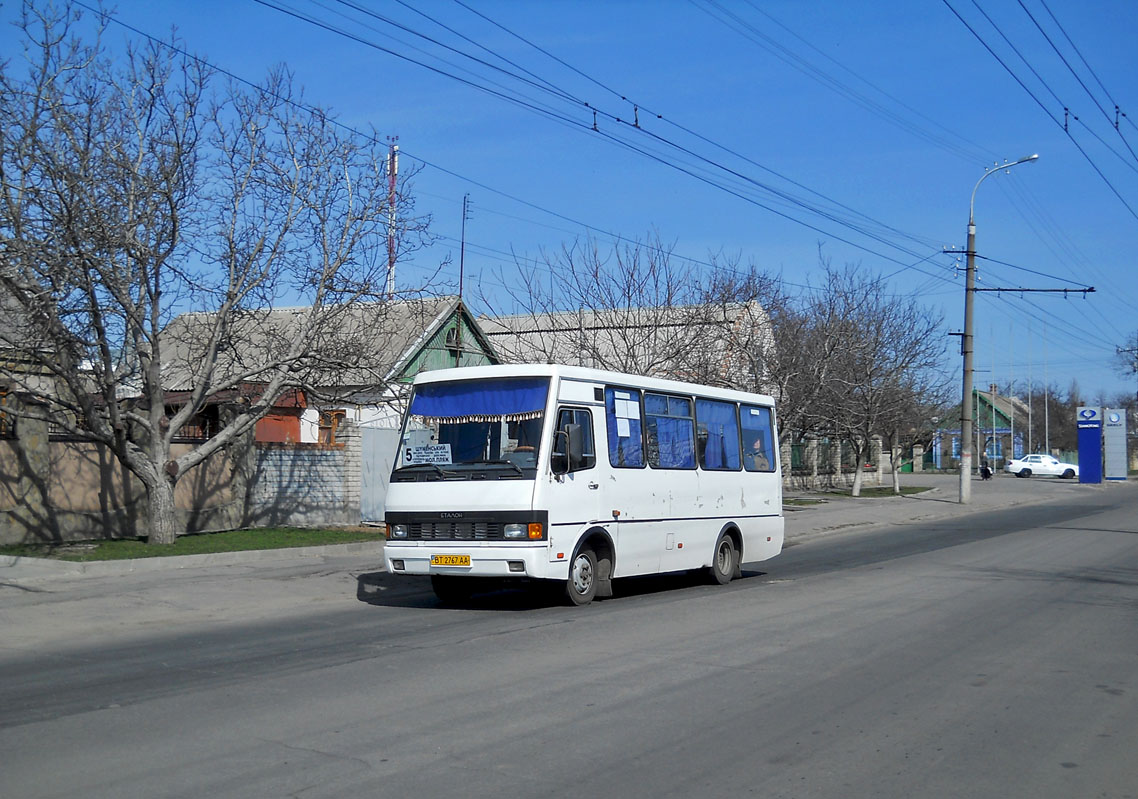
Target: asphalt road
column 990, row 656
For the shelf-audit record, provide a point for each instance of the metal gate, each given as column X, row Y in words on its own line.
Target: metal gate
column 377, row 453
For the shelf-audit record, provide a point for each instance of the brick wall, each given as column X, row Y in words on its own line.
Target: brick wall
column 55, row 491
column 307, row 485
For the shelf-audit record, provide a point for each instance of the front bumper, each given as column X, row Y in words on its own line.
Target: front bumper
column 523, row 559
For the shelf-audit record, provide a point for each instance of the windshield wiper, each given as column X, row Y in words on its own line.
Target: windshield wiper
column 434, row 466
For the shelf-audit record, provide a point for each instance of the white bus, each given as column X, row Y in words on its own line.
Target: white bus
column 559, row 473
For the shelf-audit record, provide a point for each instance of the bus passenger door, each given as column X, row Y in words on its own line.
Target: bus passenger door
column 577, row 494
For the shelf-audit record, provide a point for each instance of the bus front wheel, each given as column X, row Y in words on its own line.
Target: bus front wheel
column 723, row 561
column 581, row 586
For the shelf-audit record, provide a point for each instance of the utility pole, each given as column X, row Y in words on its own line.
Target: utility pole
column 966, row 339
column 461, row 276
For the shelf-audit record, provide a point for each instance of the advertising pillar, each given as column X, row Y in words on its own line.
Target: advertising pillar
column 1114, row 443
column 1090, row 445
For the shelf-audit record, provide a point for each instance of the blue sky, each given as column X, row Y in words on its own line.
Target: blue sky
column 887, row 111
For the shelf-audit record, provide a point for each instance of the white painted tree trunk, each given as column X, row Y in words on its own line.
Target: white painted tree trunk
column 161, row 516
column 895, row 459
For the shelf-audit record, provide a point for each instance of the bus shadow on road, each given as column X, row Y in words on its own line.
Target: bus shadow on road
column 385, row 590
column 673, row 581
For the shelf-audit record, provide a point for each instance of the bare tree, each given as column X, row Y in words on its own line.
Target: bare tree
column 910, row 420
column 807, row 342
column 867, row 363
column 134, row 189
column 636, row 308
column 1126, row 358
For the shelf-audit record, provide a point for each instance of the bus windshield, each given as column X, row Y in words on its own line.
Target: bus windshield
column 473, row 429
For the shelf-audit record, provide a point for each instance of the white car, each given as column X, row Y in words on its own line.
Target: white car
column 1041, row 464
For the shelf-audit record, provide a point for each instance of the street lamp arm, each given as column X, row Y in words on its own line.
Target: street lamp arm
column 992, row 171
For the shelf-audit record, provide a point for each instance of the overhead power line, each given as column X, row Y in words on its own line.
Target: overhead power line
column 1054, row 118
column 708, row 170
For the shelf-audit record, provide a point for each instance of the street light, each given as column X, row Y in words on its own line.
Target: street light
column 966, row 339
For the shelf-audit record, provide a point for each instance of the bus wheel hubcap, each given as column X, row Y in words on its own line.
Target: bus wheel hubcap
column 582, row 574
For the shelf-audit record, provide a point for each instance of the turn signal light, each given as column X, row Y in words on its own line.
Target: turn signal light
column 535, row 531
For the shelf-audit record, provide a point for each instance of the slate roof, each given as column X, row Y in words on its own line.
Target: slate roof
column 361, row 345
column 1004, row 405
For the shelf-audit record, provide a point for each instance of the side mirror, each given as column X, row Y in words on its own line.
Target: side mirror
column 568, row 449
column 558, row 463
column 576, row 446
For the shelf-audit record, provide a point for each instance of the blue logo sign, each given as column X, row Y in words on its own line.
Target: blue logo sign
column 1089, row 417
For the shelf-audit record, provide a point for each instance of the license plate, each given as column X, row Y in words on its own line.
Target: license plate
column 450, row 560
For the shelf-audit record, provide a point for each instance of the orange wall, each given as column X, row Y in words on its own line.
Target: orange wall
column 279, row 428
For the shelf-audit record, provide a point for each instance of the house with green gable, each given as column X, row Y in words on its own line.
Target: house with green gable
column 401, row 339
column 999, row 427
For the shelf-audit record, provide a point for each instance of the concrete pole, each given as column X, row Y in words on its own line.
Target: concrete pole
column 966, row 348
column 966, row 339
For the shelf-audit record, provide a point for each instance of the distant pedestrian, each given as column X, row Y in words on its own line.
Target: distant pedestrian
column 985, row 471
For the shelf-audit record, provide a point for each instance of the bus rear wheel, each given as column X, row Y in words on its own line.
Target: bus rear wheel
column 581, row 586
column 723, row 561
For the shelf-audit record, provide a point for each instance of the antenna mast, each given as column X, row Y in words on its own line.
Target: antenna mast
column 462, row 242
column 392, row 178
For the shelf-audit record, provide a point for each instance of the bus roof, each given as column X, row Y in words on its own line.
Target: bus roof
column 590, row 375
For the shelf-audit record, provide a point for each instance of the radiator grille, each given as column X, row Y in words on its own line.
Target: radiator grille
column 455, row 531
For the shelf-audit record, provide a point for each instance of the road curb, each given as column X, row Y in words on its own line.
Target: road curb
column 15, row 567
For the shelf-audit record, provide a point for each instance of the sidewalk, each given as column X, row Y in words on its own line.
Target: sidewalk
column 837, row 513
column 833, row 514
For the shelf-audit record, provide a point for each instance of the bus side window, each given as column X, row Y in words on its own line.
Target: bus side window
column 625, row 433
column 717, row 435
column 582, row 420
column 758, row 439
column 671, row 437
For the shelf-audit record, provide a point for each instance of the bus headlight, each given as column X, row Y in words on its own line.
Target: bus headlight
column 396, row 531
column 514, row 530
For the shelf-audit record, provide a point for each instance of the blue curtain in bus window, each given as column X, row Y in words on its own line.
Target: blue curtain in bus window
column 622, row 420
column 718, row 422
column 481, row 400
column 675, row 441
column 671, row 435
column 469, row 441
column 758, row 438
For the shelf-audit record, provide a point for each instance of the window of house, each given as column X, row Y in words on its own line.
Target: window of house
column 625, row 430
column 717, row 435
column 201, row 426
column 330, row 421
column 671, row 431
